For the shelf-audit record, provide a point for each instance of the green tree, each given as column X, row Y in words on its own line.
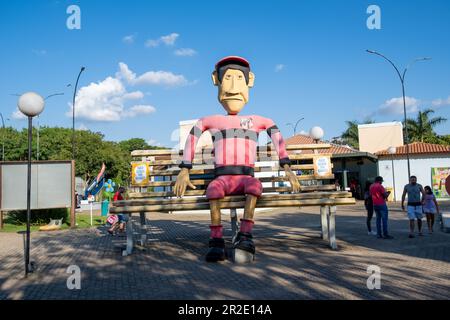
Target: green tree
column 350, row 135
column 421, row 129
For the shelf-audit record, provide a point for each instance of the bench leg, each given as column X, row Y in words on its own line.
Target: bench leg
column 143, row 228
column 130, row 242
column 332, row 227
column 234, row 224
column 324, row 221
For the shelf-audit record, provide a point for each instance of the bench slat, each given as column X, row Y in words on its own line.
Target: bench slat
column 199, row 182
column 315, row 188
column 266, row 197
column 210, row 170
column 149, row 153
column 236, row 204
column 210, row 160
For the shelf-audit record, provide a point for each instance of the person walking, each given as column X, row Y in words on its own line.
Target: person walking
column 379, row 196
column 414, row 209
column 368, row 203
column 430, row 208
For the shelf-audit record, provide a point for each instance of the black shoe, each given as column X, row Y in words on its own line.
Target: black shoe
column 216, row 251
column 244, row 242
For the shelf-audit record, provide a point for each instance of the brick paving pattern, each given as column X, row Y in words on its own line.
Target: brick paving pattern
column 292, row 261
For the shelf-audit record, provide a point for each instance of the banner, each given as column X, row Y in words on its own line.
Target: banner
column 438, row 178
column 139, row 173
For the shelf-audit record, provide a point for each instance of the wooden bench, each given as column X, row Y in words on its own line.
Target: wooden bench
column 311, row 163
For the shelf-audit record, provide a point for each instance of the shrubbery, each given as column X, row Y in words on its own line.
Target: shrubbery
column 38, row 217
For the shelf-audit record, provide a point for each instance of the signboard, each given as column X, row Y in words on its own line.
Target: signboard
column 438, row 182
column 322, row 165
column 52, row 185
column 139, row 173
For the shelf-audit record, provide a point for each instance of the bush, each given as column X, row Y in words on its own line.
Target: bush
column 38, row 217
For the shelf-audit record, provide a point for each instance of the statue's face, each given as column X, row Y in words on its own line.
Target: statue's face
column 234, row 90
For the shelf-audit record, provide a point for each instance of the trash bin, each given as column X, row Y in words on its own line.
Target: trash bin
column 105, row 208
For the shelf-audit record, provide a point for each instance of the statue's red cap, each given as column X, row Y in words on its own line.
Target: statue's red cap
column 232, row 60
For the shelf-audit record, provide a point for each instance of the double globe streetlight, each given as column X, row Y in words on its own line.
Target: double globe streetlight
column 31, row 105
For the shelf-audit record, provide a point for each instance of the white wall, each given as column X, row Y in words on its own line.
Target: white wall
column 420, row 167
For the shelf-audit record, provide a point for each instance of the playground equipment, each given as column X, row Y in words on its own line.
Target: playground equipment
column 96, row 185
column 52, row 226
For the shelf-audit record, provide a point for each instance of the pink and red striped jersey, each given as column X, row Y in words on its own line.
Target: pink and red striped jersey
column 235, row 141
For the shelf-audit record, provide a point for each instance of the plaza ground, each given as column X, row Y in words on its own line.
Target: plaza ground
column 292, row 261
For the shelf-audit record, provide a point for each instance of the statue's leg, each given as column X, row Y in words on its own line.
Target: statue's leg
column 244, row 246
column 216, row 251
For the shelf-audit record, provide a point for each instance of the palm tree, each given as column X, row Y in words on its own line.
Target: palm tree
column 350, row 136
column 421, row 128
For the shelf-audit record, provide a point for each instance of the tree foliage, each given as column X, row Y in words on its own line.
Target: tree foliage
column 91, row 150
column 421, row 129
column 350, row 136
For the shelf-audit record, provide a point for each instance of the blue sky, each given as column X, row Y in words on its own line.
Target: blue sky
column 308, row 57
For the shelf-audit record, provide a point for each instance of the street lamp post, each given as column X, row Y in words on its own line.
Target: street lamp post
column 402, row 80
column 73, row 112
column 316, row 133
column 295, row 126
column 392, row 151
column 30, row 104
column 3, row 137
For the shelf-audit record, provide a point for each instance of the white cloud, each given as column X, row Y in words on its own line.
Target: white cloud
column 152, row 43
column 150, row 77
column 153, row 142
column 168, row 40
column 39, row 52
column 105, row 101
column 82, row 127
column 128, row 39
column 394, row 106
column 185, row 52
column 279, row 67
column 17, row 115
column 441, row 102
column 138, row 110
column 109, row 100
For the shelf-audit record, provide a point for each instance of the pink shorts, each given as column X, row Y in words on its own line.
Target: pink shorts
column 233, row 185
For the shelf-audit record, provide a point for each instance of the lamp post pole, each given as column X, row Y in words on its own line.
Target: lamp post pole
column 295, row 126
column 73, row 112
column 402, row 80
column 30, row 104
column 3, row 137
column 392, row 151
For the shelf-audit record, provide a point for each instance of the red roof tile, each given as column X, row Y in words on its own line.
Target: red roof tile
column 304, row 139
column 418, row 148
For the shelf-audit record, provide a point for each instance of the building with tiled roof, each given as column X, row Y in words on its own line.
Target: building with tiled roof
column 429, row 162
column 417, row 148
column 349, row 164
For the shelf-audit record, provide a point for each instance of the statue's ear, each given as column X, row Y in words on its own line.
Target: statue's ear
column 215, row 78
column 251, row 79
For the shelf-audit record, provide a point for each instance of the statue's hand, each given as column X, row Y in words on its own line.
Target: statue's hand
column 182, row 183
column 292, row 178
